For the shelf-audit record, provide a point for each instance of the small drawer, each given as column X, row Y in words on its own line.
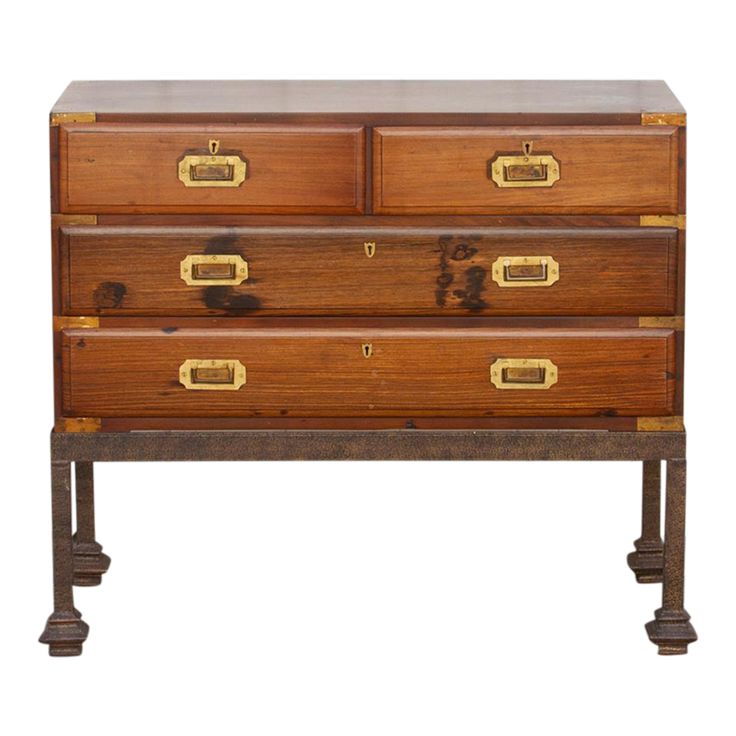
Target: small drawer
column 560, row 170
column 374, row 372
column 146, row 168
column 381, row 271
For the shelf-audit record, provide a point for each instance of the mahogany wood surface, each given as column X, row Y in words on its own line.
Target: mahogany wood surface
column 303, row 271
column 373, row 101
column 365, row 322
column 319, row 372
column 373, row 221
column 616, row 170
column 608, row 423
column 134, row 168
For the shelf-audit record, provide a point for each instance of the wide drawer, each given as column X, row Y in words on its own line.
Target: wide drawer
column 313, row 271
column 108, row 167
column 305, row 372
column 489, row 170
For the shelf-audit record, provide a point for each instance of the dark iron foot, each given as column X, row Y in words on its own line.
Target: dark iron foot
column 671, row 631
column 90, row 563
column 647, row 560
column 65, row 633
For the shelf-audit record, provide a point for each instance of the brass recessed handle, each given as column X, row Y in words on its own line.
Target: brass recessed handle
column 514, row 271
column 523, row 373
column 525, row 170
column 213, row 170
column 213, row 270
column 212, row 375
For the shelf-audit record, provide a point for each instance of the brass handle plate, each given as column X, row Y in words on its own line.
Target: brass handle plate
column 515, row 271
column 212, row 375
column 212, row 171
column 213, row 270
column 523, row 373
column 525, row 170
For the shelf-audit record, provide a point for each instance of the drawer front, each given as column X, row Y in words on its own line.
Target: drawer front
column 303, row 271
column 571, row 170
column 108, row 167
column 304, row 372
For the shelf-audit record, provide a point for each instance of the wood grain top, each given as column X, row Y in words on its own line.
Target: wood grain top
column 604, row 102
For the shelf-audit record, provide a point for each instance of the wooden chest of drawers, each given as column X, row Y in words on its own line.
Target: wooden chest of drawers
column 415, row 270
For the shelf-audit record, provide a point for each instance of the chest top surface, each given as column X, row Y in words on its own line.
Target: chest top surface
column 429, row 101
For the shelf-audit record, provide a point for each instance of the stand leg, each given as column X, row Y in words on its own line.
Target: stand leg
column 647, row 559
column 671, row 630
column 90, row 564
column 65, row 631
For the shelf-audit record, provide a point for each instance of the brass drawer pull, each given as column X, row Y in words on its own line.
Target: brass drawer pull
column 212, row 375
column 213, row 270
column 523, row 373
column 212, row 170
column 513, row 271
column 525, row 170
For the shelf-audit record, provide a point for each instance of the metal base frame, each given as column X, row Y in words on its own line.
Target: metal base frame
column 78, row 558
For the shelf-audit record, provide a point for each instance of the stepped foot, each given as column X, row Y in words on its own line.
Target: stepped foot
column 647, row 560
column 671, row 631
column 65, row 633
column 90, row 563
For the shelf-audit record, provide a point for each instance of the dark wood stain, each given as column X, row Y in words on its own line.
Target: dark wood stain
column 109, row 294
column 227, row 299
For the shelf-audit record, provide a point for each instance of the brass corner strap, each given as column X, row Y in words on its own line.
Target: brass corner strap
column 70, row 323
column 668, row 323
column 659, row 424
column 677, row 221
column 664, row 118
column 78, row 424
column 57, row 220
column 59, row 118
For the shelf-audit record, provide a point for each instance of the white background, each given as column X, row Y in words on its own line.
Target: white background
column 366, row 598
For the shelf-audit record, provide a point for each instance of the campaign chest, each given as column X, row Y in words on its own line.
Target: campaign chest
column 368, row 270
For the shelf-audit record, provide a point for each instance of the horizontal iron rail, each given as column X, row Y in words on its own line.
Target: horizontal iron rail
column 405, row 444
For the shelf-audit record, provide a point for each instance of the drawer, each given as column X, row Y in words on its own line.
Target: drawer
column 484, row 170
column 312, row 372
column 108, row 167
column 311, row 271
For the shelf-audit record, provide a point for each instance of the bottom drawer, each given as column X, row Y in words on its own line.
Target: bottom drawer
column 303, row 372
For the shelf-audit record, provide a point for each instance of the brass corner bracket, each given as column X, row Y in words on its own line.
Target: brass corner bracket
column 668, row 323
column 659, row 424
column 70, row 323
column 664, row 118
column 59, row 118
column 677, row 221
column 78, row 424
column 57, row 220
